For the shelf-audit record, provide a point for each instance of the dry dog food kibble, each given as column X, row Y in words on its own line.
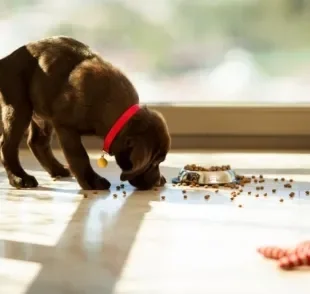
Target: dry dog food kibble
column 194, row 167
column 257, row 195
column 265, row 194
column 287, row 186
column 240, row 206
column 185, row 196
column 207, row 197
column 307, row 193
column 115, row 195
column 124, row 192
column 274, row 190
column 276, row 179
column 118, row 188
column 163, row 197
column 122, row 186
column 249, row 193
column 292, row 194
column 283, row 179
column 281, row 200
column 216, row 191
column 85, row 195
column 291, row 180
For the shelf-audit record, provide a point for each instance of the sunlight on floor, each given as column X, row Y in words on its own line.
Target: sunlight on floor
column 56, row 240
column 18, row 275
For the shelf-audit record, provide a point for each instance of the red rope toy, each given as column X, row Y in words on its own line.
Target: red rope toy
column 288, row 258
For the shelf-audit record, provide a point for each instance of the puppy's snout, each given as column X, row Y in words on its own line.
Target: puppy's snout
column 161, row 182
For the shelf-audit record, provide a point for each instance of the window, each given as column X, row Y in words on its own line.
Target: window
column 232, row 73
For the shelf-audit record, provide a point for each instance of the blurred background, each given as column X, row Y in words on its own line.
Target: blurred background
column 181, row 52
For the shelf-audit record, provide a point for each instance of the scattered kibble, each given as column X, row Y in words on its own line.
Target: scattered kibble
column 255, row 181
column 115, row 195
column 276, row 179
column 216, row 191
column 253, row 177
column 257, row 188
column 185, row 196
column 95, row 192
column 249, row 193
column 184, row 191
column 287, row 186
column 307, row 193
column 265, row 194
column 241, row 191
column 274, row 190
column 163, row 197
column 232, row 198
column 291, row 180
column 261, row 176
column 85, row 195
column 240, row 206
column 281, row 200
column 292, row 194
column 118, row 188
column 282, row 179
column 124, row 192
column 257, row 195
column 207, row 197
column 122, row 186
column 262, row 187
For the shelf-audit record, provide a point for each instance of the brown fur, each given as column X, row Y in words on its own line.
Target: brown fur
column 60, row 84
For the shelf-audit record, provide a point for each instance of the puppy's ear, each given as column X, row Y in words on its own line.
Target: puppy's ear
column 140, row 157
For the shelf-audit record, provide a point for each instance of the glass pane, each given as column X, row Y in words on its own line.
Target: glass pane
column 180, row 51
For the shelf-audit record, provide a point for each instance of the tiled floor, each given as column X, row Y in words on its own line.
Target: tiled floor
column 54, row 241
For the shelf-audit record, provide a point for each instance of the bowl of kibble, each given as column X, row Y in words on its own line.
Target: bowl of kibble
column 199, row 175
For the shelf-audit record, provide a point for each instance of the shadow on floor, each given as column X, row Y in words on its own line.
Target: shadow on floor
column 78, row 265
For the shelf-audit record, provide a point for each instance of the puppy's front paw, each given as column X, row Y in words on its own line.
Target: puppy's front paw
column 26, row 181
column 96, row 183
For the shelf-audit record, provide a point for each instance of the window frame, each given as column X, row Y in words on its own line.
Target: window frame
column 259, row 127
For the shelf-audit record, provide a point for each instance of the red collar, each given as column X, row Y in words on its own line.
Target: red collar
column 118, row 125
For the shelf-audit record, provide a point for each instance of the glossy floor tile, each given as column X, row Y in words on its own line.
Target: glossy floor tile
column 53, row 240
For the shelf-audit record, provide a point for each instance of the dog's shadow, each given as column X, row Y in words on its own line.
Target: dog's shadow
column 94, row 249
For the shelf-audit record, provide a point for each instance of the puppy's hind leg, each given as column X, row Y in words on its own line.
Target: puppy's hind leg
column 16, row 119
column 39, row 142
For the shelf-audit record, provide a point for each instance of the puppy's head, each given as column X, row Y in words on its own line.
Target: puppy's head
column 142, row 146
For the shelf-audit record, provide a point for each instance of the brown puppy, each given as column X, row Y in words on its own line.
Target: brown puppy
column 60, row 84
